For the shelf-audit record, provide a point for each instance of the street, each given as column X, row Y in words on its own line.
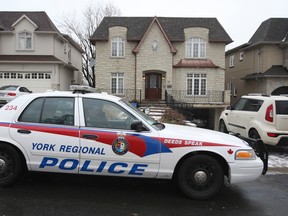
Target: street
column 64, row 194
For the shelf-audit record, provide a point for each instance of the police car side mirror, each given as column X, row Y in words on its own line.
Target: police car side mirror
column 137, row 125
column 229, row 108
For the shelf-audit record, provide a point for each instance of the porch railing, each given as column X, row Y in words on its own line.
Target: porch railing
column 181, row 96
column 173, row 96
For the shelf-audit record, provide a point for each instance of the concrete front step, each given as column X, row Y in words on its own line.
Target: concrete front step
column 155, row 112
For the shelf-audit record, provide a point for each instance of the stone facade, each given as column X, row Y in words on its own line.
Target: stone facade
column 140, row 60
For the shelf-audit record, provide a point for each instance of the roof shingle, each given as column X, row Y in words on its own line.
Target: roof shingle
column 173, row 27
column 275, row 71
column 29, row 58
column 271, row 30
column 40, row 18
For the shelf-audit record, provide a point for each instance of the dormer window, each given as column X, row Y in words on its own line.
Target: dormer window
column 117, row 47
column 25, row 41
column 196, row 48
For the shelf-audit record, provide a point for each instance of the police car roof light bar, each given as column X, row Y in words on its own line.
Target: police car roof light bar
column 81, row 89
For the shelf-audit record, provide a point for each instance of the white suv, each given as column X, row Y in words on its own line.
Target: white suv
column 258, row 116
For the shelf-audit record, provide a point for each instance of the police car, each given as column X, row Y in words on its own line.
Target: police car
column 100, row 134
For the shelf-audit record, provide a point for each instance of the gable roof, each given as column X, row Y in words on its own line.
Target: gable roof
column 41, row 19
column 173, row 27
column 273, row 30
column 155, row 20
column 42, row 22
column 24, row 17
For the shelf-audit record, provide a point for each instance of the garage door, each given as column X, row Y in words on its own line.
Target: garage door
column 34, row 81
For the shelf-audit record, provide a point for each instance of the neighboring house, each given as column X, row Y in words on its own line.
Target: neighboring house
column 260, row 66
column 33, row 53
column 180, row 60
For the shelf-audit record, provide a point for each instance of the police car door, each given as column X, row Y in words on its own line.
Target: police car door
column 110, row 147
column 46, row 129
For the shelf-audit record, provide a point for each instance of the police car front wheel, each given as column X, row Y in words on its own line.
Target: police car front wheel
column 200, row 177
column 10, row 165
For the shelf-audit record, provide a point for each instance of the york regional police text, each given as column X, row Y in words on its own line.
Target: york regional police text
column 68, row 148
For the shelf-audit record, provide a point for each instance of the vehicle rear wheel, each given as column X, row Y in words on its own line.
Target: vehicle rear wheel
column 222, row 127
column 200, row 177
column 254, row 134
column 10, row 165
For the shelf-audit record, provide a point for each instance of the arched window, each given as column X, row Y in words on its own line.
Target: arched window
column 196, row 48
column 117, row 45
column 25, row 40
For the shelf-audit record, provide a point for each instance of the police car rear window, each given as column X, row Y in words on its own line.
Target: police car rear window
column 50, row 110
column 282, row 107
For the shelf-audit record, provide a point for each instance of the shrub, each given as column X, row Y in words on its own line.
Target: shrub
column 173, row 117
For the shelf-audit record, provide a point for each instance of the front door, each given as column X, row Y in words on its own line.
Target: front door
column 110, row 147
column 153, row 86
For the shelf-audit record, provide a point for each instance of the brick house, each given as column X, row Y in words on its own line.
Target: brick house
column 35, row 54
column 179, row 60
column 260, row 66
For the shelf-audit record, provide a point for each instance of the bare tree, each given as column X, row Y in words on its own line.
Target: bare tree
column 81, row 29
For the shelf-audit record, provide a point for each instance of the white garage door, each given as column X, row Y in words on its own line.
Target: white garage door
column 34, row 81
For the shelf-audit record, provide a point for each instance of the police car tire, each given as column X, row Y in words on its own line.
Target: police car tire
column 13, row 165
column 209, row 173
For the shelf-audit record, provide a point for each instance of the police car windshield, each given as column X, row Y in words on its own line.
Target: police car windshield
column 155, row 124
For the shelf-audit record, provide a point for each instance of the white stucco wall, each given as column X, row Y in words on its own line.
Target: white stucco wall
column 62, row 72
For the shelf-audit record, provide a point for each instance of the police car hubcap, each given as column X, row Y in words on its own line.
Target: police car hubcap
column 2, row 165
column 200, row 177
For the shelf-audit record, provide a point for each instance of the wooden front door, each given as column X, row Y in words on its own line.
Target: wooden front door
column 153, row 86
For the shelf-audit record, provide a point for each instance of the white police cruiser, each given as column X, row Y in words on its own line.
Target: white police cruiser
column 100, row 134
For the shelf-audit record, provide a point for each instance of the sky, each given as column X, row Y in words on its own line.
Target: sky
column 240, row 19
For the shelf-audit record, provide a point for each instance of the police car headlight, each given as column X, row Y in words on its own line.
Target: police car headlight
column 245, row 155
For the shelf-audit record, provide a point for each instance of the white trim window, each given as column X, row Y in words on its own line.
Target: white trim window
column 25, row 40
column 241, row 56
column 14, row 75
column 231, row 61
column 196, row 84
column 117, row 47
column 196, row 48
column 117, row 83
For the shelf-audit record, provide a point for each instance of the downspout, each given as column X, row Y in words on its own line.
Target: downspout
column 259, row 54
column 135, row 77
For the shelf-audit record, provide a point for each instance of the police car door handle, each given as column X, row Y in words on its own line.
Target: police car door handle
column 90, row 136
column 23, row 131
